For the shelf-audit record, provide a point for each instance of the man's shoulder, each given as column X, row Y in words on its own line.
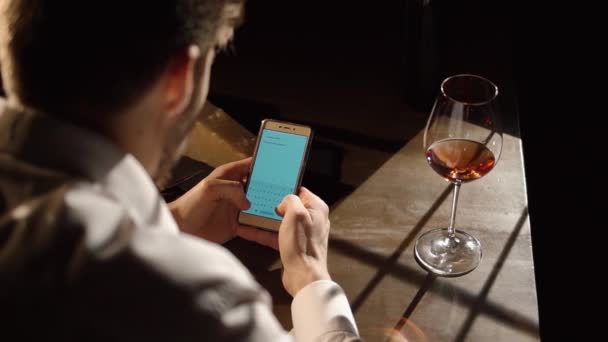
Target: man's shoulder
column 78, row 235
column 77, row 209
column 41, row 238
column 71, row 201
column 84, row 216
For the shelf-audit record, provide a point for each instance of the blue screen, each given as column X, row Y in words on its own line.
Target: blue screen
column 275, row 172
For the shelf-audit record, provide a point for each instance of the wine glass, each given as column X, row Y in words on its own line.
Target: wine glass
column 462, row 141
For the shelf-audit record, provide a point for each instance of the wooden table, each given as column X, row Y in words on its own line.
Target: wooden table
column 371, row 253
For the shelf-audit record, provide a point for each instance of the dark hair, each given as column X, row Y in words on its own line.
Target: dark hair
column 85, row 57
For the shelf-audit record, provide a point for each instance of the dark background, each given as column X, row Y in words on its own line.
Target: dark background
column 364, row 74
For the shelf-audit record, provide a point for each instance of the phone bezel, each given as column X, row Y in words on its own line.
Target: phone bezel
column 286, row 127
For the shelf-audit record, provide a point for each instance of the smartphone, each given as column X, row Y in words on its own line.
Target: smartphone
column 277, row 169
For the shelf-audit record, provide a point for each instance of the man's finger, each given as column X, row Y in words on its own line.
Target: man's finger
column 233, row 171
column 291, row 203
column 229, row 190
column 312, row 201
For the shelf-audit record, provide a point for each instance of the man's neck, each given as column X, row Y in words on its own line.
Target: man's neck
column 137, row 132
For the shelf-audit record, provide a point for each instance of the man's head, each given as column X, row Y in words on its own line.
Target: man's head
column 89, row 62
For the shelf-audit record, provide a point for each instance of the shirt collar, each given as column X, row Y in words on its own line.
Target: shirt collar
column 39, row 139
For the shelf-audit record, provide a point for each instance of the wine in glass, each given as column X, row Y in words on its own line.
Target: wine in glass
column 462, row 142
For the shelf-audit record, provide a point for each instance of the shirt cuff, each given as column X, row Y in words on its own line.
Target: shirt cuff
column 319, row 308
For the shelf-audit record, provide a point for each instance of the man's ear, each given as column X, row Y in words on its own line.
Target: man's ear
column 179, row 81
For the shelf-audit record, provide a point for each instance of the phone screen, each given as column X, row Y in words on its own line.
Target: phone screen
column 275, row 171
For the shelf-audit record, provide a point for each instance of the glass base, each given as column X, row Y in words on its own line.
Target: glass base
column 447, row 257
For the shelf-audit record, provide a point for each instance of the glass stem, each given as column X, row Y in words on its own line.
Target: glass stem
column 451, row 229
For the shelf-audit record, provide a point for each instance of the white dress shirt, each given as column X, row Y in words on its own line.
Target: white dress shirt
column 129, row 273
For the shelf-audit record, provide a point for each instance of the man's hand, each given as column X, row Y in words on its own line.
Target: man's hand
column 303, row 240
column 209, row 210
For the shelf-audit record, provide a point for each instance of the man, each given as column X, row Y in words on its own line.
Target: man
column 100, row 95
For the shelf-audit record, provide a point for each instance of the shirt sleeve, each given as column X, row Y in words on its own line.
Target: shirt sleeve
column 320, row 312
